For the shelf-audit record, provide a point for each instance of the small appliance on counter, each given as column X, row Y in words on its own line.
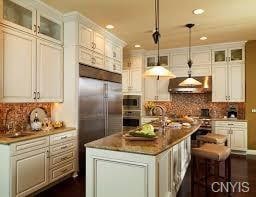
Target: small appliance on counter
column 232, row 112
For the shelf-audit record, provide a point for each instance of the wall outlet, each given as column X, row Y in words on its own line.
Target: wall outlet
column 254, row 110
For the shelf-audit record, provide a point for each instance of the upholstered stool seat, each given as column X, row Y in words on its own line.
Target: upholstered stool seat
column 212, row 155
column 213, row 138
column 212, row 152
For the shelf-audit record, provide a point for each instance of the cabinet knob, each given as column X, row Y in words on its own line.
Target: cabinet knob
column 38, row 27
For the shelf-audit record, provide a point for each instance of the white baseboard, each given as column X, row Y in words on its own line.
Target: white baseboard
column 251, row 152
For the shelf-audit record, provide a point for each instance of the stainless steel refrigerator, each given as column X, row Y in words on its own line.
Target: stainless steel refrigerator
column 100, row 106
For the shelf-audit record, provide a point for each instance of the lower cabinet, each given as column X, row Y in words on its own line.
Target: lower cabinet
column 236, row 133
column 31, row 171
column 33, row 164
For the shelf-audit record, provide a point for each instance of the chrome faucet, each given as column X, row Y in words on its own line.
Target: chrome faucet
column 163, row 122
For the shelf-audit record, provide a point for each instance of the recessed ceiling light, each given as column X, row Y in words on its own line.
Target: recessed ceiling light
column 137, row 46
column 203, row 38
column 198, row 11
column 110, row 27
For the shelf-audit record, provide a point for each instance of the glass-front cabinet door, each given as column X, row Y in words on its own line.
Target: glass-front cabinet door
column 219, row 56
column 152, row 60
column 49, row 28
column 236, row 55
column 18, row 15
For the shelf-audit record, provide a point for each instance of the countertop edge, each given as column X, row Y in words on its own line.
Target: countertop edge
column 8, row 141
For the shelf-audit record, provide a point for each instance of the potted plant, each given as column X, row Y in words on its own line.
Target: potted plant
column 149, row 105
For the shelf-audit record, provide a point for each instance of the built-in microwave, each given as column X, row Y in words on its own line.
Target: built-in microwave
column 132, row 102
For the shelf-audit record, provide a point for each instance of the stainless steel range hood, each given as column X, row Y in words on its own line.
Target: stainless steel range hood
column 204, row 88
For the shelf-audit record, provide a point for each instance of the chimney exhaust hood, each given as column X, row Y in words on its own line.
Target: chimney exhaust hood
column 206, row 86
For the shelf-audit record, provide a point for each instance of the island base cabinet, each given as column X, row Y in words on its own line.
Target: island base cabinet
column 30, row 172
column 115, row 174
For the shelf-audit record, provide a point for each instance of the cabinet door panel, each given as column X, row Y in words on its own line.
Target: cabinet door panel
column 49, row 28
column 219, row 56
column 99, row 42
column 19, row 66
column 201, row 57
column 150, row 89
column 238, row 141
column 49, row 72
column 219, row 83
column 236, row 83
column 236, row 55
column 85, row 56
column 118, row 53
column 125, row 80
column 162, row 89
column 30, row 172
column 179, row 59
column 18, row 15
column 85, row 37
column 98, row 61
column 136, row 61
column 109, row 52
column 135, row 80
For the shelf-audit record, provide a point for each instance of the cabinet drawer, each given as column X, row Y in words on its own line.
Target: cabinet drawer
column 29, row 145
column 62, row 137
column 62, row 158
column 62, row 170
column 230, row 124
column 59, row 148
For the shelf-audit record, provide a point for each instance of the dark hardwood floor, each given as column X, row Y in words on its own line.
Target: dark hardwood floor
column 243, row 169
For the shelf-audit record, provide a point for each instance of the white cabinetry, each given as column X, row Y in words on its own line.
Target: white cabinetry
column 132, row 75
column 156, row 90
column 201, row 57
column 228, row 73
column 91, row 39
column 236, row 133
column 33, row 164
column 49, row 72
column 30, row 64
column 18, row 52
column 31, row 18
column 31, row 171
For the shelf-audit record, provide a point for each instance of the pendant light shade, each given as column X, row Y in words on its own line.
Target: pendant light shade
column 190, row 81
column 160, row 71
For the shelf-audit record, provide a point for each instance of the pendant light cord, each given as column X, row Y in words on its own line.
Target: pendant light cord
column 189, row 44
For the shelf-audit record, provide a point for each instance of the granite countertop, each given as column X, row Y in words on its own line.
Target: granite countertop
column 116, row 142
column 5, row 140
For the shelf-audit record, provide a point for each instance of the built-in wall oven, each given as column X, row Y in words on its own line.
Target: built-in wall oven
column 132, row 102
column 131, row 120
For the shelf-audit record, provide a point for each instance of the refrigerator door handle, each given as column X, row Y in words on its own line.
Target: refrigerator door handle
column 106, row 107
column 105, row 90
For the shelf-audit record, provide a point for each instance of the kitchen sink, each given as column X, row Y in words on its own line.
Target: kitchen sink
column 16, row 134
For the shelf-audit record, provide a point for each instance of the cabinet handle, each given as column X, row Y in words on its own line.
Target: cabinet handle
column 38, row 95
column 35, row 29
column 47, row 154
column 114, row 67
column 114, row 54
column 92, row 45
column 34, row 95
column 63, row 137
column 95, row 45
column 38, row 27
column 63, row 147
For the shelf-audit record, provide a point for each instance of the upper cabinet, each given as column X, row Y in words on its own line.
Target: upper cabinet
column 49, row 28
column 21, row 15
column 91, row 40
column 234, row 54
column 228, row 74
column 156, row 90
column 152, row 60
column 113, row 51
column 31, row 52
column 132, row 74
column 201, row 57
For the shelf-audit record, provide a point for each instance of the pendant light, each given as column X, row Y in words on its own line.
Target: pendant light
column 158, row 70
column 190, row 81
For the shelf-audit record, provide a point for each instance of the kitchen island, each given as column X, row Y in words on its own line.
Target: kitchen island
column 117, row 167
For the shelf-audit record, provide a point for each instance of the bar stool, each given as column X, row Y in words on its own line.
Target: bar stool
column 212, row 138
column 210, row 154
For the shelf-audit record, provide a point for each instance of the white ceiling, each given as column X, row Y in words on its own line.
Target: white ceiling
column 223, row 20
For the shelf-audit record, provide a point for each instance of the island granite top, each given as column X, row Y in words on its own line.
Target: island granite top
column 116, row 142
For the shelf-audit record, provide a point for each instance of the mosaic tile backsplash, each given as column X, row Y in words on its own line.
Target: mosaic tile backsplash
column 191, row 104
column 19, row 112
